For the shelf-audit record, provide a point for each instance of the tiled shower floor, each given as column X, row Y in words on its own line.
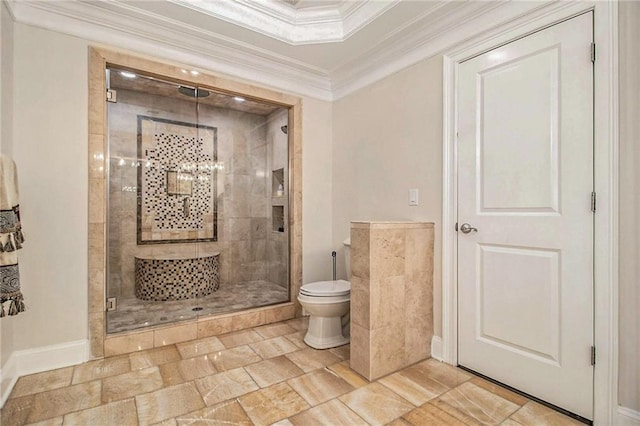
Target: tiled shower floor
column 133, row 313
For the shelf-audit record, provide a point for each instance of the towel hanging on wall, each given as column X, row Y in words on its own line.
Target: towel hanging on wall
column 11, row 239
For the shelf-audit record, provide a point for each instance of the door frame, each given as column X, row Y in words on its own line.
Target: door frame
column 605, row 183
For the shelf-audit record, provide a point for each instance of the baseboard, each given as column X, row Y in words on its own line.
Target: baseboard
column 30, row 361
column 436, row 348
column 8, row 378
column 628, row 417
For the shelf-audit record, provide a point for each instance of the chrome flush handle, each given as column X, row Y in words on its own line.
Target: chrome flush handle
column 466, row 228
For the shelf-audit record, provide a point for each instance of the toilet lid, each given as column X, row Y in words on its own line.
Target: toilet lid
column 326, row 288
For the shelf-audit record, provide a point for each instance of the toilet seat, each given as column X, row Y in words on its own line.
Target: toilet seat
column 326, row 289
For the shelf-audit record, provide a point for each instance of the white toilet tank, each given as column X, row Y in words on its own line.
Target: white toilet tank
column 347, row 256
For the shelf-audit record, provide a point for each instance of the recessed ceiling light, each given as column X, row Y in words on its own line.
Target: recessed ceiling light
column 127, row 74
column 184, row 71
column 194, row 72
column 238, row 99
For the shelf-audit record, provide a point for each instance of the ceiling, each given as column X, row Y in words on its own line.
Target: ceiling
column 320, row 48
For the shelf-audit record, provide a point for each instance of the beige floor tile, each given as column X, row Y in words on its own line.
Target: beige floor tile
column 226, row 385
column 272, row 371
column 376, row 404
column 446, row 374
column 274, row 330
column 342, row 351
column 272, row 404
column 500, row 391
column 101, row 368
column 428, row 414
column 234, row 358
column 239, row 338
column 470, row 403
column 16, row 411
column 227, row 413
column 283, row 422
column 333, row 413
column 533, row 413
column 57, row 421
column 301, row 323
column 510, row 422
column 153, row 357
column 343, row 370
column 200, row 347
column 131, row 384
column 168, row 422
column 297, row 339
column 186, row 370
column 42, row 382
column 57, row 402
column 414, row 385
column 168, row 402
column 116, row 413
column 273, row 347
column 311, row 359
column 319, row 386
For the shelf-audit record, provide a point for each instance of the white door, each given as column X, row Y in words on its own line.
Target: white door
column 525, row 181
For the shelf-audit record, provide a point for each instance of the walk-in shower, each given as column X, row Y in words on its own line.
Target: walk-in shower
column 197, row 201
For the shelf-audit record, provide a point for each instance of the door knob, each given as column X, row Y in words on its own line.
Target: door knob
column 466, row 228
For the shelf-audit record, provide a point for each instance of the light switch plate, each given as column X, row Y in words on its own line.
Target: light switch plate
column 413, row 197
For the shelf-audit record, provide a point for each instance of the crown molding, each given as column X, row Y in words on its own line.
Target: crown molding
column 330, row 23
column 175, row 41
column 440, row 34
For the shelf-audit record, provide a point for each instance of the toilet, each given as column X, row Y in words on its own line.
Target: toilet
column 327, row 303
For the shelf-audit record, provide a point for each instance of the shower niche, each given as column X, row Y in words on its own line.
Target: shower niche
column 197, row 201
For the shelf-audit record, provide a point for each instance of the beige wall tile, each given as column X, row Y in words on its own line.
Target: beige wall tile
column 360, row 302
column 360, row 265
column 175, row 334
column 128, row 343
column 387, row 303
column 279, row 313
column 360, row 360
column 387, row 252
column 213, row 326
column 387, row 351
column 96, row 334
column 250, row 319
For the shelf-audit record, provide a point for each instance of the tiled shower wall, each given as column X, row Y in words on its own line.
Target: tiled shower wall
column 243, row 188
column 277, row 247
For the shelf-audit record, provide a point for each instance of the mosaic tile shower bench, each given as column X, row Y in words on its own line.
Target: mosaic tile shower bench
column 162, row 278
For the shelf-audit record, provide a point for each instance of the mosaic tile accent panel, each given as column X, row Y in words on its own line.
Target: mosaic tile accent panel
column 176, row 279
column 176, row 181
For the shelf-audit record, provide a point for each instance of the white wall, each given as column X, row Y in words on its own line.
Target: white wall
column 629, row 293
column 6, row 130
column 387, row 138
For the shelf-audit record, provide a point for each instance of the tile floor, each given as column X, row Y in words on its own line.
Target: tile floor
column 263, row 376
column 134, row 313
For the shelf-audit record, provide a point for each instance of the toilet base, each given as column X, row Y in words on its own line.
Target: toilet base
column 325, row 332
